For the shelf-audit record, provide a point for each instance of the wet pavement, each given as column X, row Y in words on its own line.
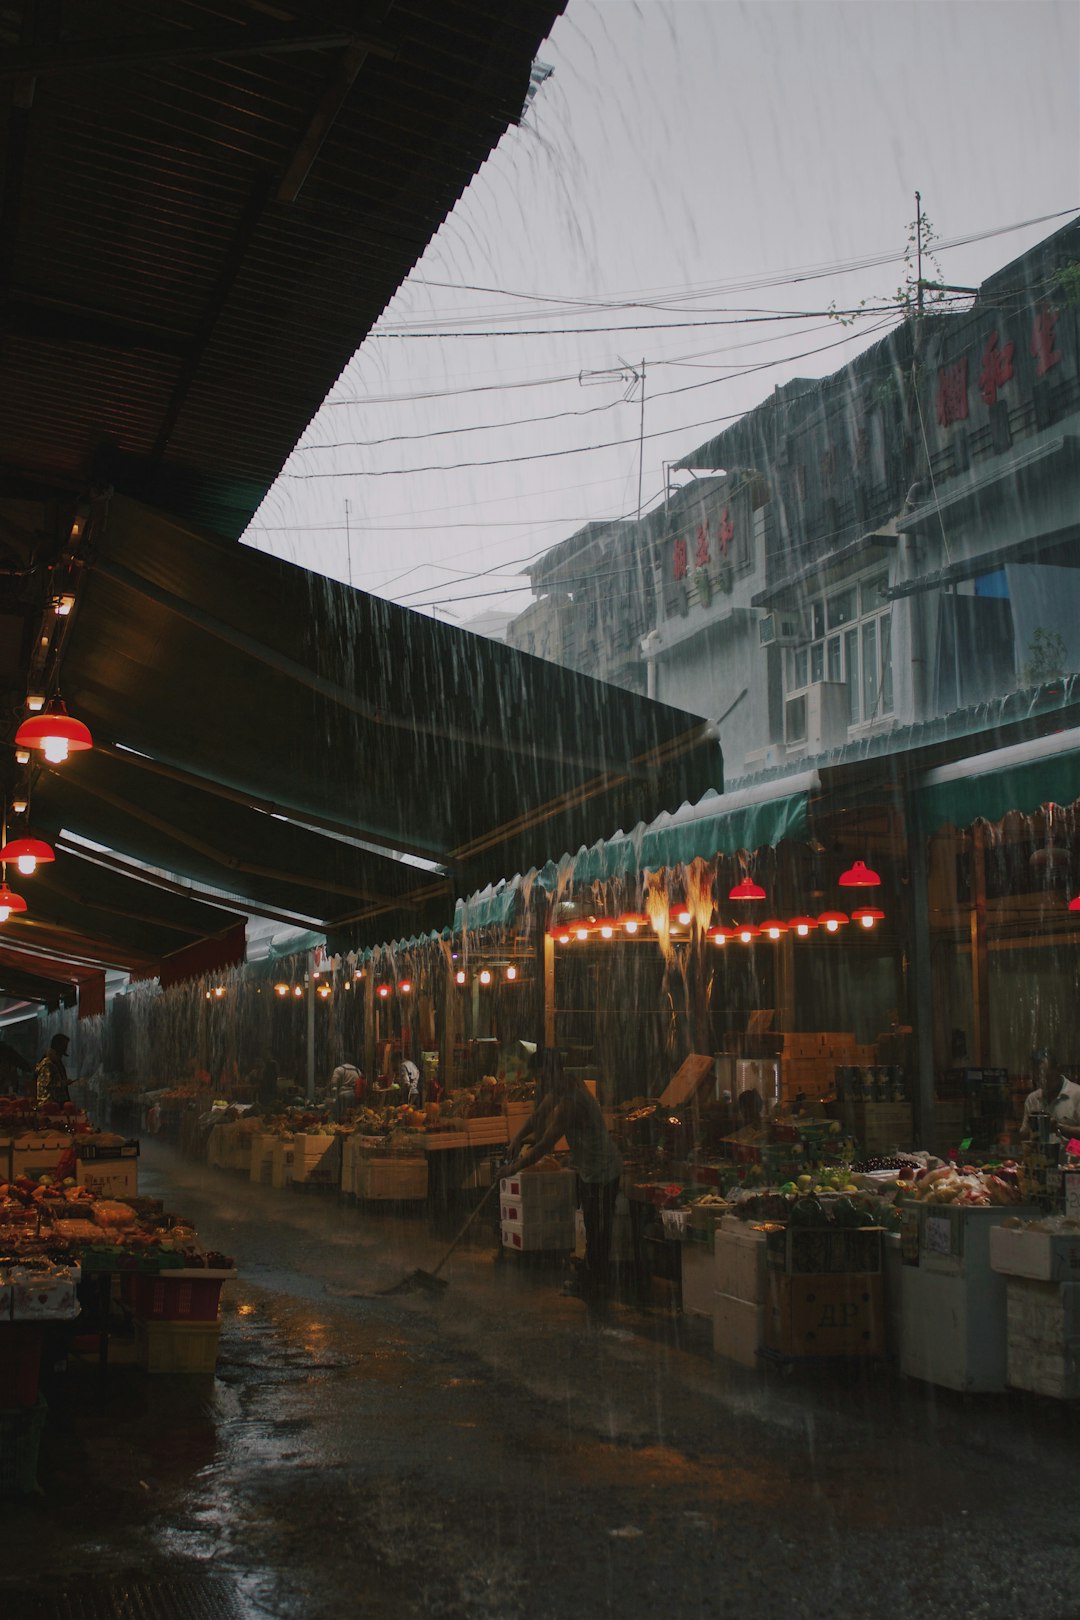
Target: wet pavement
column 502, row 1452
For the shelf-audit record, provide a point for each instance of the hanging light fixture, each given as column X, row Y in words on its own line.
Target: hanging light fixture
column 19, row 806
column 720, row 936
column 1074, row 903
column 746, row 933
column 28, row 854
column 746, row 889
column 832, row 920
column 281, row 989
column 511, row 973
column 607, row 931
column 405, row 987
column 384, row 991
column 631, row 921
column 867, row 915
column 459, row 976
column 802, row 925
column 54, row 732
column 485, row 976
column 772, row 928
column 10, row 902
column 859, row 876
column 683, row 918
column 581, row 933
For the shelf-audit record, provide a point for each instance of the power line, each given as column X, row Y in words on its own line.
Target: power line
column 648, row 326
column 574, row 450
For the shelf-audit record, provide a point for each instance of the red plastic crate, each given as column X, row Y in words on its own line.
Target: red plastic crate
column 175, row 1299
column 20, row 1363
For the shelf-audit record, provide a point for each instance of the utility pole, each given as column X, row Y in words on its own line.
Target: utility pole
column 631, row 375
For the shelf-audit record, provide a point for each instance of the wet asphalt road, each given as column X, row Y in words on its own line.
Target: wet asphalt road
column 500, row 1452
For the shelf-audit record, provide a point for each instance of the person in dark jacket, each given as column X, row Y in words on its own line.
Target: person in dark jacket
column 51, row 1075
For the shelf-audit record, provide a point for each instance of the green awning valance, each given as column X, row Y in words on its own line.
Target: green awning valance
column 708, row 829
column 956, row 795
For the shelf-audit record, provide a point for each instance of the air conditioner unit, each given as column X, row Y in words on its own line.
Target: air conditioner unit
column 818, row 718
column 782, row 629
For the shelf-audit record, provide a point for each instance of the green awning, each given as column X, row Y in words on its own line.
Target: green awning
column 489, row 908
column 993, row 785
column 714, row 826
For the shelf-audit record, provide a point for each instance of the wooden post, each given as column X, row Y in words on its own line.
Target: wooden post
column 549, row 990
column 311, row 1026
column 369, row 1023
column 921, row 981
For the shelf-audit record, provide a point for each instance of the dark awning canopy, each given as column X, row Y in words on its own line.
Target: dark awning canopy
column 283, row 738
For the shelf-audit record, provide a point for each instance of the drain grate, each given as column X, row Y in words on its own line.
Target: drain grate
column 179, row 1598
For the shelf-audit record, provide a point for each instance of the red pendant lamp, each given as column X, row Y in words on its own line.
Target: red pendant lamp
column 746, row 933
column 10, row 902
column 772, row 928
column 1074, row 903
column 802, row 925
column 867, row 915
column 54, row 732
column 832, row 920
column 720, row 936
column 746, row 889
column 859, row 876
column 28, row 854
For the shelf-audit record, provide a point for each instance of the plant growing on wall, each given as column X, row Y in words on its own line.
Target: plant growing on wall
column 1047, row 655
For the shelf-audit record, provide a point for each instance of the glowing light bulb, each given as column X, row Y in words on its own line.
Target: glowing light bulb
column 485, row 976
column 55, row 750
column 582, row 933
column 405, row 987
column 5, row 913
column 631, row 925
column 299, row 990
column 511, row 973
column 606, row 932
column 459, row 976
column 684, row 918
column 832, row 925
column 27, row 864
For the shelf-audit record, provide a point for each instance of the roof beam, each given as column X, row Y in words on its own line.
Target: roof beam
column 322, row 120
column 160, row 50
column 269, row 807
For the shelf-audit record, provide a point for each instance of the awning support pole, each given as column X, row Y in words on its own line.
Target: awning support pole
column 980, row 989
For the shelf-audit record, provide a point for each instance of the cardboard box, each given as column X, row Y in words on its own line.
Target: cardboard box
column 879, row 1127
column 391, row 1179
column 262, row 1157
column 1044, row 1256
column 834, row 1315
column 281, row 1161
column 317, row 1160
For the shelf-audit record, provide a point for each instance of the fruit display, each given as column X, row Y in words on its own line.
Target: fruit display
column 966, row 1187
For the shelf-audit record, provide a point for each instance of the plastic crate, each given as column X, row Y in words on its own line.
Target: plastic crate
column 178, row 1347
column 175, row 1298
column 20, row 1362
column 20, row 1436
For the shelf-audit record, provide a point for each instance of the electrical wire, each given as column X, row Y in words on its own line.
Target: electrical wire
column 574, row 450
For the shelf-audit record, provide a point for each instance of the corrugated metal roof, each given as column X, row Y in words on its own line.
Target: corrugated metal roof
column 196, row 244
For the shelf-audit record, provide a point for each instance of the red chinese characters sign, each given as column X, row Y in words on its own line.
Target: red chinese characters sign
column 700, row 552
column 1043, row 349
column 997, row 368
column 952, row 392
column 678, row 558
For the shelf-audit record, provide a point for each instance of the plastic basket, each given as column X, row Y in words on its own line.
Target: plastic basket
column 20, row 1436
column 178, row 1347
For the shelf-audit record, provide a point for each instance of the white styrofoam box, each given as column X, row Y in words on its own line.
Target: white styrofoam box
column 541, row 1189
column 1045, row 1313
column 109, row 1178
column 40, row 1296
column 739, row 1262
column 756, row 1074
column 738, row 1328
column 1045, row 1256
column 545, row 1232
column 698, row 1280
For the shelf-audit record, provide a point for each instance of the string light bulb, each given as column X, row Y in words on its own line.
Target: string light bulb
column 867, row 916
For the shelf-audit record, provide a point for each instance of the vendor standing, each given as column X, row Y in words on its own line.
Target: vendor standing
column 567, row 1108
column 1054, row 1096
column 51, row 1075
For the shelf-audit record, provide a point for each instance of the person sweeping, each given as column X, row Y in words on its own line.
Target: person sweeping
column 567, row 1108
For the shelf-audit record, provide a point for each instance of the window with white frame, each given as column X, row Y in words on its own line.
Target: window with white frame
column 849, row 633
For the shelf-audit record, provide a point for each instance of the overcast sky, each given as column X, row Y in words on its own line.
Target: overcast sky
column 695, row 156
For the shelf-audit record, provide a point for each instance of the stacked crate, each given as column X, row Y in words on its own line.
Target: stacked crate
column 536, row 1210
column 824, row 1293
